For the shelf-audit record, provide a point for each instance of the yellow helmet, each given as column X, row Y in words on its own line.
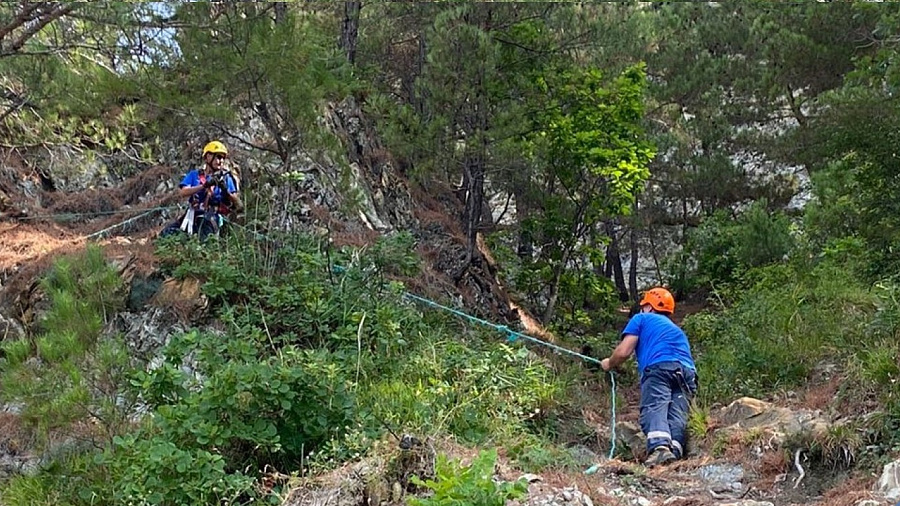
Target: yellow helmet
column 215, row 147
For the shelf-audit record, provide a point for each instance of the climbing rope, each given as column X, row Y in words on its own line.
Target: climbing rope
column 129, row 220
column 72, row 216
column 512, row 336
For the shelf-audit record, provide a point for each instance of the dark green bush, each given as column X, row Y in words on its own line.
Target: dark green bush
column 785, row 320
column 722, row 248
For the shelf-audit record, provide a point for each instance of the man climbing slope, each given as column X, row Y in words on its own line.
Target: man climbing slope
column 667, row 371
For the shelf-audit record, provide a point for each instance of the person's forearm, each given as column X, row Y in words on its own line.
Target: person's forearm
column 236, row 201
column 187, row 191
column 618, row 358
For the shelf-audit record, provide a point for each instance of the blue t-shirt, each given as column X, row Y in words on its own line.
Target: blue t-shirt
column 216, row 198
column 659, row 340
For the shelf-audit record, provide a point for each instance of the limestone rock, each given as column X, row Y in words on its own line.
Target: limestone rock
column 749, row 413
column 889, row 482
column 10, row 328
column 71, row 170
column 184, row 297
column 722, row 478
column 147, row 331
column 570, row 496
column 345, row 488
column 630, row 436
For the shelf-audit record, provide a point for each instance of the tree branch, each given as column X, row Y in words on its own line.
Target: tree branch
column 58, row 12
column 24, row 16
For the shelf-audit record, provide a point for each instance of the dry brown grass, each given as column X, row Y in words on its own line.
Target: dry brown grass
column 850, row 492
column 14, row 438
column 821, row 395
column 103, row 200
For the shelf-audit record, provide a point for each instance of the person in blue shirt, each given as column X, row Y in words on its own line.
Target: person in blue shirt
column 667, row 371
column 212, row 194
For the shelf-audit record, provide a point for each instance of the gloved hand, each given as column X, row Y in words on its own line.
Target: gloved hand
column 210, row 183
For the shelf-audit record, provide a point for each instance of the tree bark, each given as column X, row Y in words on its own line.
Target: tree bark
column 350, row 29
column 474, row 199
column 614, row 260
column 632, row 265
column 33, row 23
column 280, row 12
column 525, row 246
column 476, row 128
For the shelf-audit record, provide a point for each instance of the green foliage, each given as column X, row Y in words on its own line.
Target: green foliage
column 68, row 84
column 698, row 422
column 784, row 320
column 151, row 469
column 588, row 300
column 473, row 391
column 722, row 249
column 279, row 408
column 349, row 353
column 71, row 373
column 594, row 140
column 280, row 71
column 838, row 447
column 532, row 454
column 593, row 155
column 853, row 213
column 474, row 484
column 70, row 479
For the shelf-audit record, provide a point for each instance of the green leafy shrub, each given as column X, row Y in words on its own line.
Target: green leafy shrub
column 251, row 411
column 587, row 300
column 533, row 454
column 472, row 485
column 786, row 318
column 723, row 248
column 312, row 364
column 152, row 470
column 70, row 478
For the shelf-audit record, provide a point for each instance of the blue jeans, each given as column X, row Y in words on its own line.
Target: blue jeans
column 666, row 392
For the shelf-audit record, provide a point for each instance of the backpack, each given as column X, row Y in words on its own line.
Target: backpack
column 230, row 168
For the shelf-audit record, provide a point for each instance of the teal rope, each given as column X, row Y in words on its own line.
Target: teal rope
column 512, row 336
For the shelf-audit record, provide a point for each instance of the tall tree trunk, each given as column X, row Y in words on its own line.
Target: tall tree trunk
column 280, row 12
column 525, row 246
column 474, row 199
column 553, row 297
column 614, row 260
column 654, row 254
column 350, row 29
column 476, row 128
column 632, row 265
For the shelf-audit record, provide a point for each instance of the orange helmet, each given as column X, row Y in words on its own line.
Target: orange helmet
column 660, row 299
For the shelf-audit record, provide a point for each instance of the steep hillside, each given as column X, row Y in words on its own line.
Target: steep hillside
column 748, row 452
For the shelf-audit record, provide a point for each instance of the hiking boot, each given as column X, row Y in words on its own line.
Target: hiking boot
column 661, row 456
